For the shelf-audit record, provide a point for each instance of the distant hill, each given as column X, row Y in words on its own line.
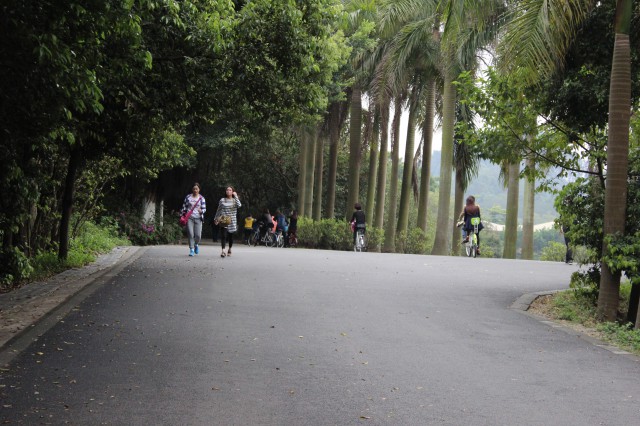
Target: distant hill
column 490, row 192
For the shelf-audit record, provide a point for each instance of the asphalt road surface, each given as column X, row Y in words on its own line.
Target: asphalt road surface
column 302, row 337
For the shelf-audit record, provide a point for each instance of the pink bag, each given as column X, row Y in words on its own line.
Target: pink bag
column 184, row 219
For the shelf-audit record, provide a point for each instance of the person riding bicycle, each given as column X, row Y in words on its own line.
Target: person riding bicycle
column 470, row 210
column 265, row 222
column 281, row 224
column 357, row 221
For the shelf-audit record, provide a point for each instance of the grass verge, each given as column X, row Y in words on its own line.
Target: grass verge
column 577, row 310
column 92, row 241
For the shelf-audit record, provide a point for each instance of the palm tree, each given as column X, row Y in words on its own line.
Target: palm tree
column 407, row 173
column 528, row 208
column 535, row 43
column 511, row 223
column 355, row 141
column 390, row 226
column 374, row 153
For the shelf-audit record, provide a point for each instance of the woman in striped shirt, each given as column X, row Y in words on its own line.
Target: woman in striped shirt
column 227, row 206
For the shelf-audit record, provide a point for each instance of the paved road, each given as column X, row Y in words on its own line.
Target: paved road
column 302, row 337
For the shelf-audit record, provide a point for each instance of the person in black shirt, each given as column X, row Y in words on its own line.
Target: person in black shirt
column 358, row 221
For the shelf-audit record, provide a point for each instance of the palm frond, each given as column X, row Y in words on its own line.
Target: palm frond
column 539, row 32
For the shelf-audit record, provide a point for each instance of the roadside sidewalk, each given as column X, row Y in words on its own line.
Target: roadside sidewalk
column 22, row 309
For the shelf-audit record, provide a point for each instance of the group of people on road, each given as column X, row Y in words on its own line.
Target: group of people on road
column 194, row 208
column 225, row 220
column 268, row 223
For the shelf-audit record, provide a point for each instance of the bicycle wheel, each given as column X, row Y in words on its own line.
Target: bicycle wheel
column 467, row 247
column 357, row 247
column 363, row 243
column 293, row 240
column 474, row 246
column 280, row 241
column 255, row 239
column 269, row 239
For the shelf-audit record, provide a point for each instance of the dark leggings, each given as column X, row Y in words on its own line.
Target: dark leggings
column 226, row 236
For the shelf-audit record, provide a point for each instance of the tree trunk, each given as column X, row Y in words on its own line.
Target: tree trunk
column 441, row 244
column 67, row 202
column 390, row 226
column 334, row 137
column 355, row 141
column 458, row 202
column 511, row 223
column 381, row 184
column 319, row 163
column 302, row 177
column 615, row 201
column 528, row 211
column 312, row 136
column 374, row 153
column 425, row 173
column 634, row 300
column 405, row 193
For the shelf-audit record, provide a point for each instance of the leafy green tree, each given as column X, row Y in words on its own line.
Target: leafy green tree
column 533, row 43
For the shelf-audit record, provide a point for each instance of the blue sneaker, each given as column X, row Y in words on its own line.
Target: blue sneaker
column 191, row 253
column 197, row 250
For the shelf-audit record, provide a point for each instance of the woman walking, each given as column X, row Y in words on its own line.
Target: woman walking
column 194, row 205
column 226, row 218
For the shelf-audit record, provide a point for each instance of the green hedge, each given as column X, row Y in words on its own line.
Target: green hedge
column 332, row 234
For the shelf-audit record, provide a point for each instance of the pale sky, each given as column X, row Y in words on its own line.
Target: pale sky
column 437, row 136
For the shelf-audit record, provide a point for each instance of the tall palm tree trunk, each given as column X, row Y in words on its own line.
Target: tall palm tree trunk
column 319, row 167
column 405, row 193
column 615, row 202
column 511, row 223
column 302, row 176
column 334, row 137
column 355, row 141
column 458, row 201
column 381, row 189
column 528, row 208
column 312, row 136
column 374, row 153
column 425, row 173
column 390, row 226
column 441, row 244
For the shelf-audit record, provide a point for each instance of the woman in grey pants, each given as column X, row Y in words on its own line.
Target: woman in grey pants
column 194, row 224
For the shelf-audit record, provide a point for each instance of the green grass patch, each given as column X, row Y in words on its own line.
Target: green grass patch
column 576, row 307
column 92, row 240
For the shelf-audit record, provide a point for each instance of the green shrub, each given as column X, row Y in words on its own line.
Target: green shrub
column 15, row 267
column 144, row 233
column 554, row 252
column 375, row 238
column 332, row 234
column 415, row 242
column 309, row 233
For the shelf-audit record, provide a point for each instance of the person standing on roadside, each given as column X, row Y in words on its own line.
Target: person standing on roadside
column 227, row 218
column 195, row 203
column 568, row 257
column 248, row 228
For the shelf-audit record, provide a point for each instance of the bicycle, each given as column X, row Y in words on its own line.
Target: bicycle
column 279, row 239
column 293, row 239
column 471, row 244
column 359, row 246
column 268, row 238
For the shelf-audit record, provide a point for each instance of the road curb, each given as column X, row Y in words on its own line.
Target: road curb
column 523, row 303
column 37, row 306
